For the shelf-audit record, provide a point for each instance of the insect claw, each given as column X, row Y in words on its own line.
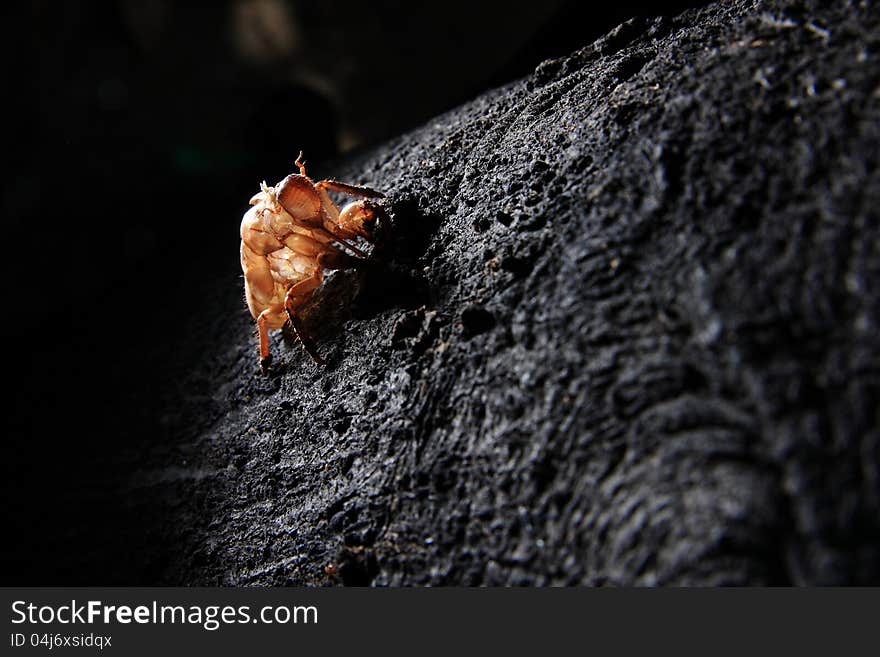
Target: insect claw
column 304, row 339
column 287, row 332
column 264, row 364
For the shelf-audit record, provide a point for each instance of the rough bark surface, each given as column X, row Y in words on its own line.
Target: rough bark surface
column 624, row 331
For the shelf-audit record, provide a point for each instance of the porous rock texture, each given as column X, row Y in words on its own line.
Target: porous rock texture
column 622, row 329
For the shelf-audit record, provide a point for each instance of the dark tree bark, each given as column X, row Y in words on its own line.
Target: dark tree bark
column 623, row 330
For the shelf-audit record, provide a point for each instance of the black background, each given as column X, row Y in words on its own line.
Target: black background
column 134, row 135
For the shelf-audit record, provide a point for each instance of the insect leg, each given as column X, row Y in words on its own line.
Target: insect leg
column 344, row 241
column 263, row 329
column 288, row 334
column 352, row 190
column 327, row 203
column 296, row 296
column 298, row 293
column 304, row 338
